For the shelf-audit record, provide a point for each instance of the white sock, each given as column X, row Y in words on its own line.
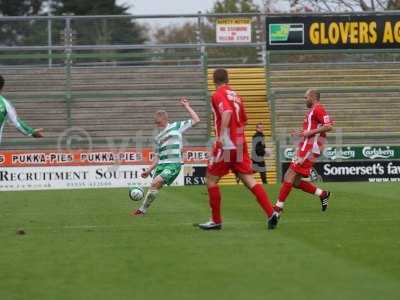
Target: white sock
column 280, row 204
column 150, row 196
column 318, row 192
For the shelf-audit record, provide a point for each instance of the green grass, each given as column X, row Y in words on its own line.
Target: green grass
column 82, row 244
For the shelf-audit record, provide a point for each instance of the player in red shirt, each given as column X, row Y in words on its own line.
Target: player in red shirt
column 230, row 152
column 313, row 137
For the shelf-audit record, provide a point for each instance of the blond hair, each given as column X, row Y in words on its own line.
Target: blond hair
column 161, row 113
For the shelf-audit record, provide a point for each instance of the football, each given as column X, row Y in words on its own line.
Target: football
column 136, row 192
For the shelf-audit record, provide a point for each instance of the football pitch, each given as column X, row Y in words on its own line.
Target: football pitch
column 82, row 244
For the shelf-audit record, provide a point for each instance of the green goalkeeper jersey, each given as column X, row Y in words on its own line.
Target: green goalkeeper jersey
column 169, row 142
column 7, row 111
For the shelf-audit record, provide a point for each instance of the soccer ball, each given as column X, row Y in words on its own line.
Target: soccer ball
column 136, row 193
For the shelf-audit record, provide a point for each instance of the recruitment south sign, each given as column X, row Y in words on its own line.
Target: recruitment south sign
column 348, row 31
column 43, row 170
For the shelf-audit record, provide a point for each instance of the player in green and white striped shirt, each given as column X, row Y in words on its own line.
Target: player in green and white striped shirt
column 7, row 111
column 168, row 153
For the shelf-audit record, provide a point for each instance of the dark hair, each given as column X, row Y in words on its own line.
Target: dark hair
column 220, row 76
column 2, row 81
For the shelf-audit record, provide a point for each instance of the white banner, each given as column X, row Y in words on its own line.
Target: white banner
column 233, row 31
column 74, row 177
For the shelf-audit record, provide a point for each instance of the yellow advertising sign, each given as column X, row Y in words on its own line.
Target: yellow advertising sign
column 333, row 32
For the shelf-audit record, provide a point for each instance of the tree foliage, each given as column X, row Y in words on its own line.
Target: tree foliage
column 235, row 6
column 189, row 32
column 19, row 33
column 330, row 5
column 111, row 31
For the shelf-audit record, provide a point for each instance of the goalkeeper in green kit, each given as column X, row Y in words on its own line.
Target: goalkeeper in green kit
column 7, row 111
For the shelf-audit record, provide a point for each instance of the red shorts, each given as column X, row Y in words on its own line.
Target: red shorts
column 223, row 161
column 303, row 163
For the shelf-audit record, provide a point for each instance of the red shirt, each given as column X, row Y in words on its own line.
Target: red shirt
column 225, row 99
column 315, row 118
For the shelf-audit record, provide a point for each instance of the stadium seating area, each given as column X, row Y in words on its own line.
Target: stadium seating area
column 118, row 102
column 104, row 102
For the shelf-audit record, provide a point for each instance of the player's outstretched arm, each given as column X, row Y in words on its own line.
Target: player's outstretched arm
column 193, row 115
column 21, row 125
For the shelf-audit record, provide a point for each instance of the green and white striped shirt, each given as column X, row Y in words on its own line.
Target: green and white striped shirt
column 7, row 111
column 169, row 142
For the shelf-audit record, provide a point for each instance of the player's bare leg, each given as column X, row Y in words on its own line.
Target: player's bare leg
column 293, row 179
column 310, row 188
column 289, row 179
column 156, row 185
column 214, row 200
column 262, row 198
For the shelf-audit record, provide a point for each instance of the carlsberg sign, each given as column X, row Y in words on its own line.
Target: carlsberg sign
column 350, row 153
column 339, row 153
column 379, row 152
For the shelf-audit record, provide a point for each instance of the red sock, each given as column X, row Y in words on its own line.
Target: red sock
column 307, row 187
column 214, row 198
column 262, row 199
column 284, row 191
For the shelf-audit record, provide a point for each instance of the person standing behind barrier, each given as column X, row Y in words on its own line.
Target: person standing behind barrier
column 258, row 152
